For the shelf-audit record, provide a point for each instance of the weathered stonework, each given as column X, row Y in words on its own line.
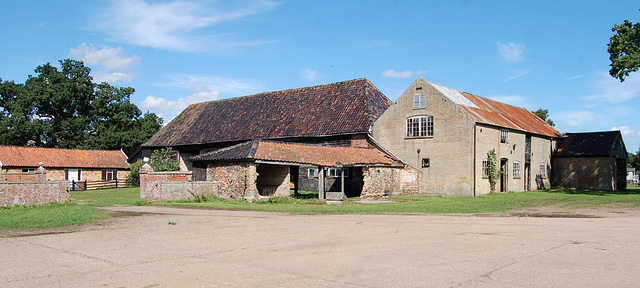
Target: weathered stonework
column 389, row 181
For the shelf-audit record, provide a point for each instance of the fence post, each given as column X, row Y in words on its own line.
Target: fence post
column 85, row 185
column 73, row 185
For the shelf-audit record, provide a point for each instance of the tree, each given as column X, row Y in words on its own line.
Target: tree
column 634, row 160
column 624, row 49
column 63, row 108
column 492, row 169
column 544, row 115
column 162, row 160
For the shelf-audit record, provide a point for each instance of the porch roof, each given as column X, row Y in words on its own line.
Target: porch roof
column 286, row 152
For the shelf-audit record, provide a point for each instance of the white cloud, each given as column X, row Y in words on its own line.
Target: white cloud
column 113, row 77
column 516, row 75
column 627, row 131
column 401, row 75
column 176, row 25
column 162, row 104
column 102, row 57
column 577, row 120
column 207, row 83
column 309, row 75
column 510, row 51
column 610, row 90
column 574, row 77
column 105, row 56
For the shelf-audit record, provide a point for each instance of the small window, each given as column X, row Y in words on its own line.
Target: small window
column 419, row 101
column 109, row 175
column 485, row 168
column 543, row 170
column 516, row 169
column 426, row 162
column 336, row 172
column 312, row 173
column 28, row 170
column 420, row 126
column 504, row 136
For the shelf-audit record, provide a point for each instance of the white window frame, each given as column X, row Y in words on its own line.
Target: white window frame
column 335, row 172
column 113, row 173
column 485, row 168
column 312, row 173
column 420, row 126
column 419, row 101
column 516, row 169
column 504, row 136
column 543, row 170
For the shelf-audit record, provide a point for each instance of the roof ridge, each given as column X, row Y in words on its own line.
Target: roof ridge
column 235, row 98
column 58, row 148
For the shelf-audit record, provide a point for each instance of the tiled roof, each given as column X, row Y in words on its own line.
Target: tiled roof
column 495, row 113
column 327, row 156
column 608, row 143
column 14, row 156
column 332, row 109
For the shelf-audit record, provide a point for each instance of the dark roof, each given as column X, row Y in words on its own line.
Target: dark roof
column 499, row 114
column 333, row 109
column 14, row 156
column 607, row 144
column 275, row 151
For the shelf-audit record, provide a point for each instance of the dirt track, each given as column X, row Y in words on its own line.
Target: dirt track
column 207, row 248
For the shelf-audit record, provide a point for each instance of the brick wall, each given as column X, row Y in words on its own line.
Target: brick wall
column 171, row 186
column 389, row 181
column 38, row 191
column 235, row 180
column 585, row 172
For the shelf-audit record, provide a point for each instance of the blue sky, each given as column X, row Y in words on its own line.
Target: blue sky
column 549, row 54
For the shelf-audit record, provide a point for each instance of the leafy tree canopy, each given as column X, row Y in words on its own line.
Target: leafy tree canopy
column 624, row 49
column 63, row 108
column 544, row 115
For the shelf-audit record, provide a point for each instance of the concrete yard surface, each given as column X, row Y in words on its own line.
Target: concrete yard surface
column 152, row 246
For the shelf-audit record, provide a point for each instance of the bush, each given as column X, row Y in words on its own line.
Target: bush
column 133, row 179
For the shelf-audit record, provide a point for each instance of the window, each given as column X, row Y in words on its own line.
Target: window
column 426, row 162
column 28, row 170
column 419, row 101
column 504, row 137
column 109, row 175
column 420, row 126
column 516, row 169
column 335, row 172
column 543, row 170
column 485, row 169
column 312, row 173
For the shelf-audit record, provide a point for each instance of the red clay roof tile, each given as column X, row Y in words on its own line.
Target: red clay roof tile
column 14, row 156
column 328, row 156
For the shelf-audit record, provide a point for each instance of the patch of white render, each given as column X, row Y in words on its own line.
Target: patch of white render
column 455, row 96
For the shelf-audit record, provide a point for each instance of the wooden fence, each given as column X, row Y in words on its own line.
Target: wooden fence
column 92, row 185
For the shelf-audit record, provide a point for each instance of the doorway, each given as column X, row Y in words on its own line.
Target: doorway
column 504, row 175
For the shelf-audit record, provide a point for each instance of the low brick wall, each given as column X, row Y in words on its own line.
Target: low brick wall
column 171, row 186
column 33, row 193
column 388, row 181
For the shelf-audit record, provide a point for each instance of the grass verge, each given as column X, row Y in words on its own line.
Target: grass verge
column 48, row 215
column 108, row 197
column 565, row 198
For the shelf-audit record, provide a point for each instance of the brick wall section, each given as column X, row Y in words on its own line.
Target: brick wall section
column 585, row 172
column 36, row 192
column 389, row 181
column 171, row 186
column 235, row 180
column 226, row 180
